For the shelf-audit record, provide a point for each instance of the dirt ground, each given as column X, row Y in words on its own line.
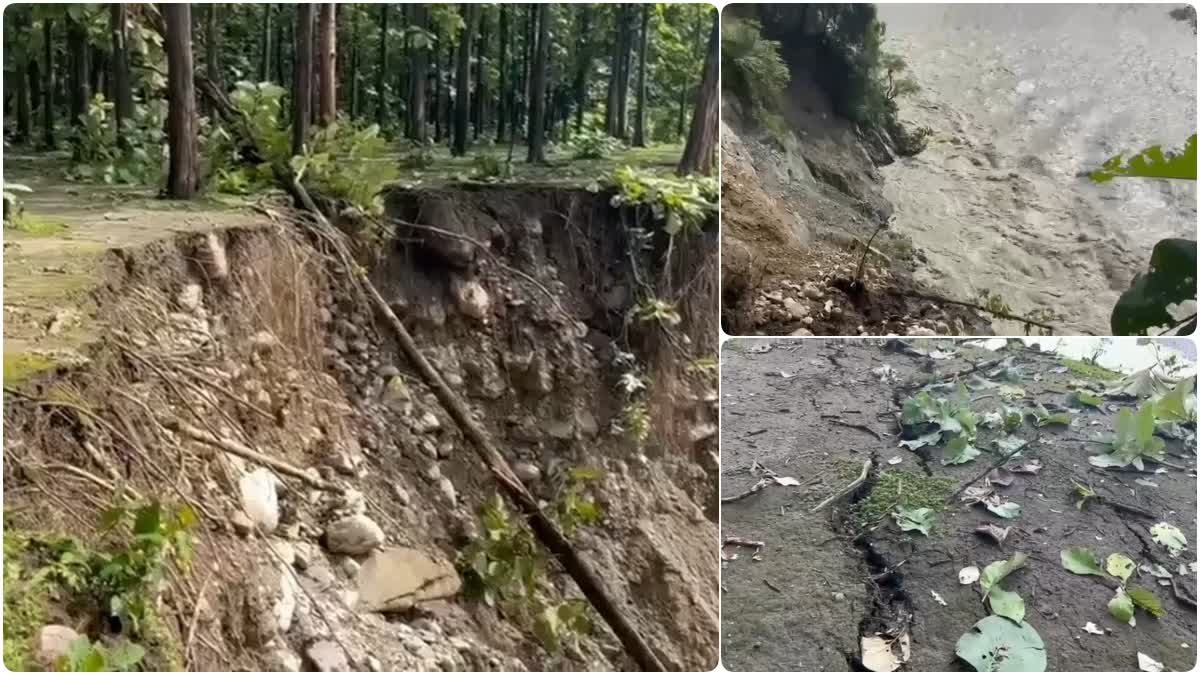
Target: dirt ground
column 803, row 601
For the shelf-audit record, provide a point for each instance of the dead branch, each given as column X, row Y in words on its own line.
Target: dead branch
column 245, row 452
column 978, row 307
column 543, row 527
column 762, row 483
column 862, row 478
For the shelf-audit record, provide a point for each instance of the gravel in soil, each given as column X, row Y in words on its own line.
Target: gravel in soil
column 813, row 410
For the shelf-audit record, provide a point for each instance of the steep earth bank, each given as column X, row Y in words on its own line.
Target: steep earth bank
column 253, row 337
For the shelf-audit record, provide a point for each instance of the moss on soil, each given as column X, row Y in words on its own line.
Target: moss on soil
column 20, row 367
column 901, row 488
column 1090, row 370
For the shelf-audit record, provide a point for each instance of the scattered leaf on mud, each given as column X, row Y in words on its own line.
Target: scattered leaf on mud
column 1000, row 476
column 896, row 460
column 878, row 655
column 995, row 644
column 1120, row 566
column 1147, row 600
column 968, row 575
column 959, row 451
column 1043, row 417
column 1081, row 561
column 1170, row 536
column 937, row 597
column 1121, row 607
column 1010, row 444
column 994, row 573
column 786, row 481
column 997, row 534
column 932, row 438
column 1032, row 466
column 1155, row 571
column 1145, row 483
column 1007, row 510
column 1006, row 603
column 977, row 493
column 1149, row 665
column 1086, row 398
column 991, row 420
column 920, row 520
column 1092, row 628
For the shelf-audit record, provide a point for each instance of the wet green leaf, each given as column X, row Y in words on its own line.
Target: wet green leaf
column 1146, row 599
column 996, row 644
column 932, row 438
column 959, row 451
column 1080, row 560
column 994, row 573
column 1007, row 604
column 1170, row 536
column 1005, row 509
column 1121, row 607
column 1120, row 566
column 920, row 520
column 1086, row 398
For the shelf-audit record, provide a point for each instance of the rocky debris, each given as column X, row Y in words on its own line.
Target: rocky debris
column 353, row 535
column 327, row 657
column 259, row 499
column 528, row 472
column 284, row 609
column 448, row 491
column 396, row 579
column 283, row 660
column 190, row 297
column 215, row 261
column 471, row 299
column 242, row 524
column 53, row 642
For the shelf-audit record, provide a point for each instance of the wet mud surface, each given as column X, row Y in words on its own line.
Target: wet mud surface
column 814, row 411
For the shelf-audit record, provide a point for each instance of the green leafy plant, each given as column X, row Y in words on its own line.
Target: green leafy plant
column 139, row 156
column 591, row 142
column 753, row 70
column 1003, row 603
column 486, row 166
column 952, row 415
column 959, row 451
column 505, row 567
column 575, row 507
column 1134, row 440
column 635, row 421
column 1081, row 560
column 1084, row 493
column 684, row 205
column 657, row 310
column 1043, row 417
column 1170, row 536
column 1121, row 567
column 85, row 656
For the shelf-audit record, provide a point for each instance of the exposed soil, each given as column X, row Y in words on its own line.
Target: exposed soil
column 288, row 361
column 808, row 596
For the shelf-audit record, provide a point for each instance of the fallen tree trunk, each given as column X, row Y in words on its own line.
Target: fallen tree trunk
column 547, row 532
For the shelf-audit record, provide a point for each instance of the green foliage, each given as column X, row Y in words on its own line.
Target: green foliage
column 25, row 598
column 486, row 166
column 1134, row 440
column 1043, row 417
column 657, row 310
column 1177, row 405
column 959, row 451
column 635, row 420
column 685, row 204
column 84, row 656
column 901, row 489
column 1080, row 560
column 1170, row 536
column 138, row 159
column 576, row 508
column 995, row 644
column 753, row 71
column 1145, row 599
column 1002, row 602
column 1120, row 566
column 1151, row 162
column 348, row 161
column 591, row 142
column 1084, row 493
column 1121, row 607
column 505, row 567
column 951, row 415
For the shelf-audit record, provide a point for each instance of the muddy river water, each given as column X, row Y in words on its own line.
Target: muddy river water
column 1022, row 99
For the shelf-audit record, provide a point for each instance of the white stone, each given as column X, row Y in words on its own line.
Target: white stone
column 353, row 535
column 259, row 498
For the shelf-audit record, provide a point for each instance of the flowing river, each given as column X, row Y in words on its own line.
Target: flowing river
column 1023, row 99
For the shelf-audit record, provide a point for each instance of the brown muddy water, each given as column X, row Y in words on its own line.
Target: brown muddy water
column 1022, row 99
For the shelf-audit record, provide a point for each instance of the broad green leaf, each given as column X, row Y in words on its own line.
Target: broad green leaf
column 1178, row 405
column 1005, row 509
column 1121, row 607
column 996, row 644
column 1171, row 279
column 1006, row 604
column 931, row 438
column 1151, row 162
column 1170, row 536
column 1120, row 566
column 920, row 519
column 959, row 451
column 1010, row 444
column 994, row 573
column 1080, row 560
column 1086, row 398
column 1146, row 599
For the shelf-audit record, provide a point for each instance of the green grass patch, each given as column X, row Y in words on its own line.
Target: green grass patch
column 902, row 488
column 25, row 604
column 1090, row 370
column 20, row 367
column 34, row 226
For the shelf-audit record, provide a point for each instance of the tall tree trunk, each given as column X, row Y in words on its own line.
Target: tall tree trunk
column 527, row 66
column 302, row 77
column 355, row 56
column 281, row 24
column 381, row 73
column 212, row 46
column 34, row 72
column 419, row 80
column 583, row 66
column 702, row 138
column 183, row 179
column 326, row 64
column 264, row 41
column 481, row 90
column 122, row 88
column 21, row 23
column 623, row 80
column 48, row 84
column 502, row 111
column 697, row 42
column 537, row 103
column 639, row 120
column 77, row 42
column 437, row 87
column 462, row 79
column 614, row 74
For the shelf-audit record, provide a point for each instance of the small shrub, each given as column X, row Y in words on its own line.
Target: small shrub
column 593, row 143
column 487, row 166
column 752, row 69
column 685, row 204
column 139, row 157
column 84, row 656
